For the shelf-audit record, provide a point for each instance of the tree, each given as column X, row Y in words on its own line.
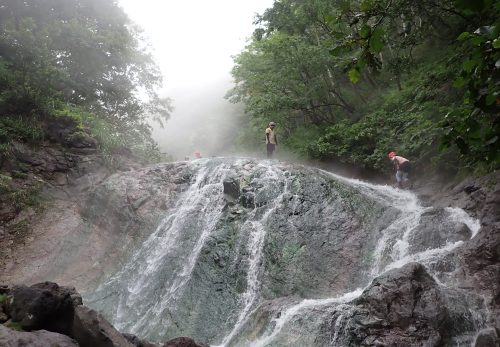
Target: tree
column 341, row 67
column 78, row 52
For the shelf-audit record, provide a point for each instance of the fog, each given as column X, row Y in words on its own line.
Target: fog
column 202, row 121
column 193, row 42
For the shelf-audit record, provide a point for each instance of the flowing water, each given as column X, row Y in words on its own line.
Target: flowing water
column 212, row 264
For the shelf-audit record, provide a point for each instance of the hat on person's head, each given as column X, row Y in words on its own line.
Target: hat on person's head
column 272, row 124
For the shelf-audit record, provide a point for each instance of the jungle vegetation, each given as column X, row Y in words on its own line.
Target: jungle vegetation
column 345, row 80
column 350, row 80
column 82, row 59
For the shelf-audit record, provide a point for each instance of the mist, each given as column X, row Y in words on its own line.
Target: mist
column 193, row 43
column 202, row 121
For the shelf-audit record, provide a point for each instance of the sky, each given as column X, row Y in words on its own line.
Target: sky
column 193, row 42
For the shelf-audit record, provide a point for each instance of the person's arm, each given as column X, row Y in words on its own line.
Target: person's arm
column 267, row 135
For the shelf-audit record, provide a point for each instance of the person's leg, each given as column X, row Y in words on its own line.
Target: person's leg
column 270, row 150
column 406, row 174
column 399, row 178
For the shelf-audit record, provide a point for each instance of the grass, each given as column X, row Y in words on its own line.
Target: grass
column 14, row 326
column 26, row 197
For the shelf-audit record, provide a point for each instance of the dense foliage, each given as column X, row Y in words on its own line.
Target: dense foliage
column 351, row 80
column 82, row 59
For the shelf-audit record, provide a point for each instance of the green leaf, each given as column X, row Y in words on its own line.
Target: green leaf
column 338, row 50
column 366, row 5
column 471, row 5
column 330, row 19
column 469, row 65
column 496, row 43
column 354, row 75
column 477, row 40
column 490, row 99
column 445, row 144
column 376, row 41
column 365, row 31
column 463, row 36
column 459, row 83
column 345, row 5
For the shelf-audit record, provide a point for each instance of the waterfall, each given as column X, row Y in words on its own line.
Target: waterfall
column 205, row 270
column 295, row 309
column 258, row 233
column 398, row 231
column 141, row 295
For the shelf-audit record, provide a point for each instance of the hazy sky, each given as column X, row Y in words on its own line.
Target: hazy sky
column 193, row 41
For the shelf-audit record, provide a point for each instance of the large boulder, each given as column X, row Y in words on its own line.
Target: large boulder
column 487, row 338
column 90, row 329
column 231, row 188
column 41, row 338
column 182, row 342
column 137, row 342
column 436, row 230
column 403, row 299
column 58, row 310
column 43, row 306
column 405, row 307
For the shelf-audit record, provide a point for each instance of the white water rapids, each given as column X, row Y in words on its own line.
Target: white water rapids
column 154, row 280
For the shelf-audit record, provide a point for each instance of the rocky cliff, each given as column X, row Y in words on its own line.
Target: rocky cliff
column 242, row 252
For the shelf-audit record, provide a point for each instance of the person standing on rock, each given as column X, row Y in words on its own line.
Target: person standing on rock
column 402, row 167
column 271, row 139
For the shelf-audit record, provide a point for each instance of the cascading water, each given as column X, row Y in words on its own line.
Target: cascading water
column 300, row 240
column 393, row 246
column 139, row 296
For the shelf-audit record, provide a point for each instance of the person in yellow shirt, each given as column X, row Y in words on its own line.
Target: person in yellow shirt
column 271, row 139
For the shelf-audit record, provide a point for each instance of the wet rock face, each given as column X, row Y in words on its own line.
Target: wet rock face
column 318, row 238
column 89, row 235
column 51, row 177
column 480, row 261
column 487, row 338
column 404, row 307
column 491, row 212
column 313, row 232
column 436, row 230
column 182, row 342
column 91, row 329
column 232, row 188
column 404, row 296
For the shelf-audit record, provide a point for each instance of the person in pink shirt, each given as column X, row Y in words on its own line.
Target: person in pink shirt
column 402, row 167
